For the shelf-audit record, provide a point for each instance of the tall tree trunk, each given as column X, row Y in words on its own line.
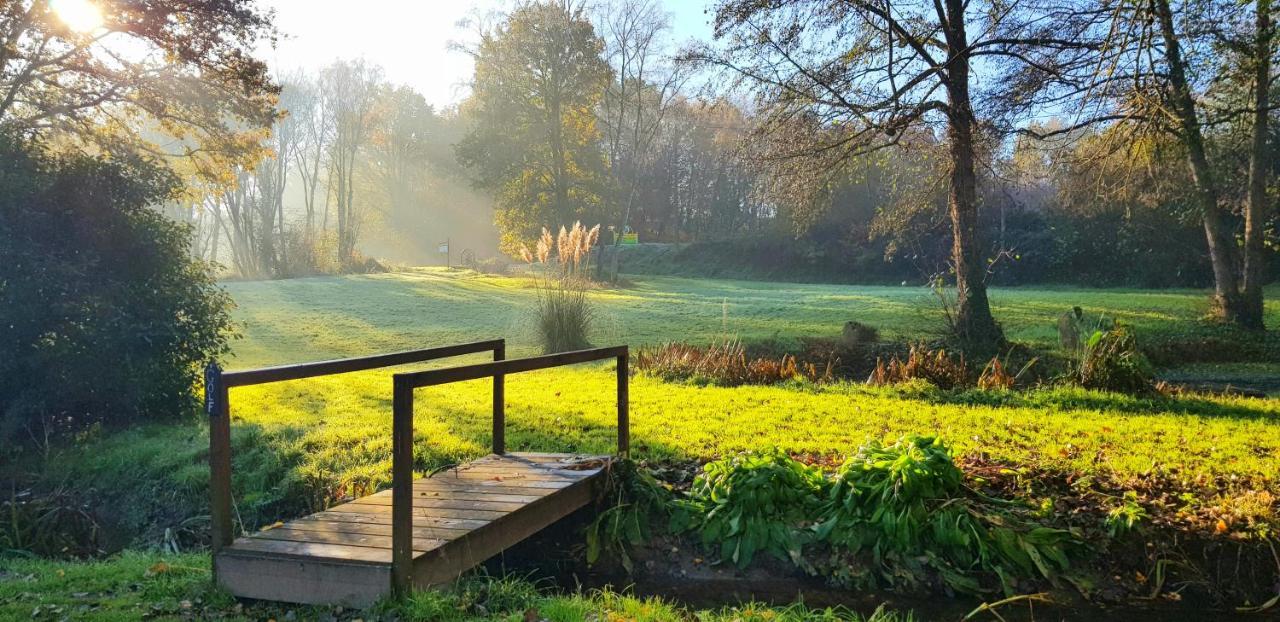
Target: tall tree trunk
column 1255, row 213
column 1221, row 243
column 974, row 323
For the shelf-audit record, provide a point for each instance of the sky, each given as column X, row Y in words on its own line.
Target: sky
column 410, row 38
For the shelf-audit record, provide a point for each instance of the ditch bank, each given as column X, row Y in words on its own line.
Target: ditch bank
column 675, row 571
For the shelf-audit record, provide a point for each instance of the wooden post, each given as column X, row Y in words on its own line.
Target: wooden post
column 215, row 405
column 624, row 415
column 499, row 404
column 401, row 488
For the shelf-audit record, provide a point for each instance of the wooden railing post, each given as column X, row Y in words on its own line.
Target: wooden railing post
column 499, row 404
column 624, row 407
column 401, row 487
column 216, row 406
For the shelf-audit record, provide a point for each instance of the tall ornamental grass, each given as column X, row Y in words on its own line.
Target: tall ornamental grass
column 564, row 312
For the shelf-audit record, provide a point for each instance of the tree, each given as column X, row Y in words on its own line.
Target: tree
column 171, row 69
column 644, row 88
column 1259, row 62
column 350, row 90
column 1152, row 67
column 539, row 77
column 876, row 72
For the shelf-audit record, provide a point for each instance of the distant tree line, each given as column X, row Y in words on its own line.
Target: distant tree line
column 1082, row 141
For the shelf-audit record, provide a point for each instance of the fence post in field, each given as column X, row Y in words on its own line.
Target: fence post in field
column 215, row 405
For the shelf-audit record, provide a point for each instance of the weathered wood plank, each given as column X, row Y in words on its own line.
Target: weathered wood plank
column 360, row 507
column 376, row 529
column 307, row 550
column 446, row 500
column 288, row 533
column 314, row 582
column 457, row 521
column 382, row 518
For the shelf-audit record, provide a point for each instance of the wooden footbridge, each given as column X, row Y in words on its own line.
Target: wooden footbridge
column 422, row 532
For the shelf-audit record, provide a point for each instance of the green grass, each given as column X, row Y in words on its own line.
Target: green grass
column 305, row 319
column 299, row 445
column 135, row 586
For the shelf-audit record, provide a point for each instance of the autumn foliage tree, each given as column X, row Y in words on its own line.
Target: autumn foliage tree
column 166, row 77
column 534, row 142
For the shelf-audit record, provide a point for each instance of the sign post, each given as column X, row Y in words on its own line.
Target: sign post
column 443, row 249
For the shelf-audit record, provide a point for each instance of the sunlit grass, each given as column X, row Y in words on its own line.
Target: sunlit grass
column 135, row 586
column 299, row 445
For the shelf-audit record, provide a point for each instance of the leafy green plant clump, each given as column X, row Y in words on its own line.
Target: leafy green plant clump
column 898, row 515
column 107, row 317
column 906, row 506
column 636, row 498
column 1113, row 362
column 753, row 502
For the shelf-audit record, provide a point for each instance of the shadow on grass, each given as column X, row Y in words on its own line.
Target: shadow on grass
column 1076, row 399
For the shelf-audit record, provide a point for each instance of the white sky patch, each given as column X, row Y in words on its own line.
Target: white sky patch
column 408, row 38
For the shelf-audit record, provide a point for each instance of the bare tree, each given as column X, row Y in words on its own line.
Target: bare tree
column 1261, row 59
column 872, row 74
column 350, row 91
column 303, row 101
column 645, row 85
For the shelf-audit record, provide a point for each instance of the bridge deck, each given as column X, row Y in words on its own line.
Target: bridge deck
column 461, row 517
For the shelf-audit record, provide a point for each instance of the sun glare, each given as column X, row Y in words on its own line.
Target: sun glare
column 79, row 15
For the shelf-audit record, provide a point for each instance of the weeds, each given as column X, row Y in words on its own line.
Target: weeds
column 1112, row 362
column 637, row 500
column 726, row 364
column 996, row 376
column 936, row 366
column 564, row 312
column 51, row 524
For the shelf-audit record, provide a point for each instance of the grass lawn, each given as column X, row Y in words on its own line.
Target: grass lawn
column 300, row 445
column 306, row 319
column 136, row 586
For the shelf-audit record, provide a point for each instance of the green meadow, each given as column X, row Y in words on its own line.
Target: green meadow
column 300, row 445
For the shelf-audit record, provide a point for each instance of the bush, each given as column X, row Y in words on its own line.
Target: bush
column 906, row 507
column 725, row 364
column 564, row 311
column 108, row 318
column 752, row 502
column 1112, row 362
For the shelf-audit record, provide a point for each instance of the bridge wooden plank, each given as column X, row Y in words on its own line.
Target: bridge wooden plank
column 460, row 518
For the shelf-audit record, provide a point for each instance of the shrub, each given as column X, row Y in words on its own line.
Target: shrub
column 935, row 366
column 725, row 364
column 1112, row 362
column 857, row 334
column 752, row 502
column 309, row 255
column 905, row 505
column 108, row 318
column 636, row 498
column 564, row 311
